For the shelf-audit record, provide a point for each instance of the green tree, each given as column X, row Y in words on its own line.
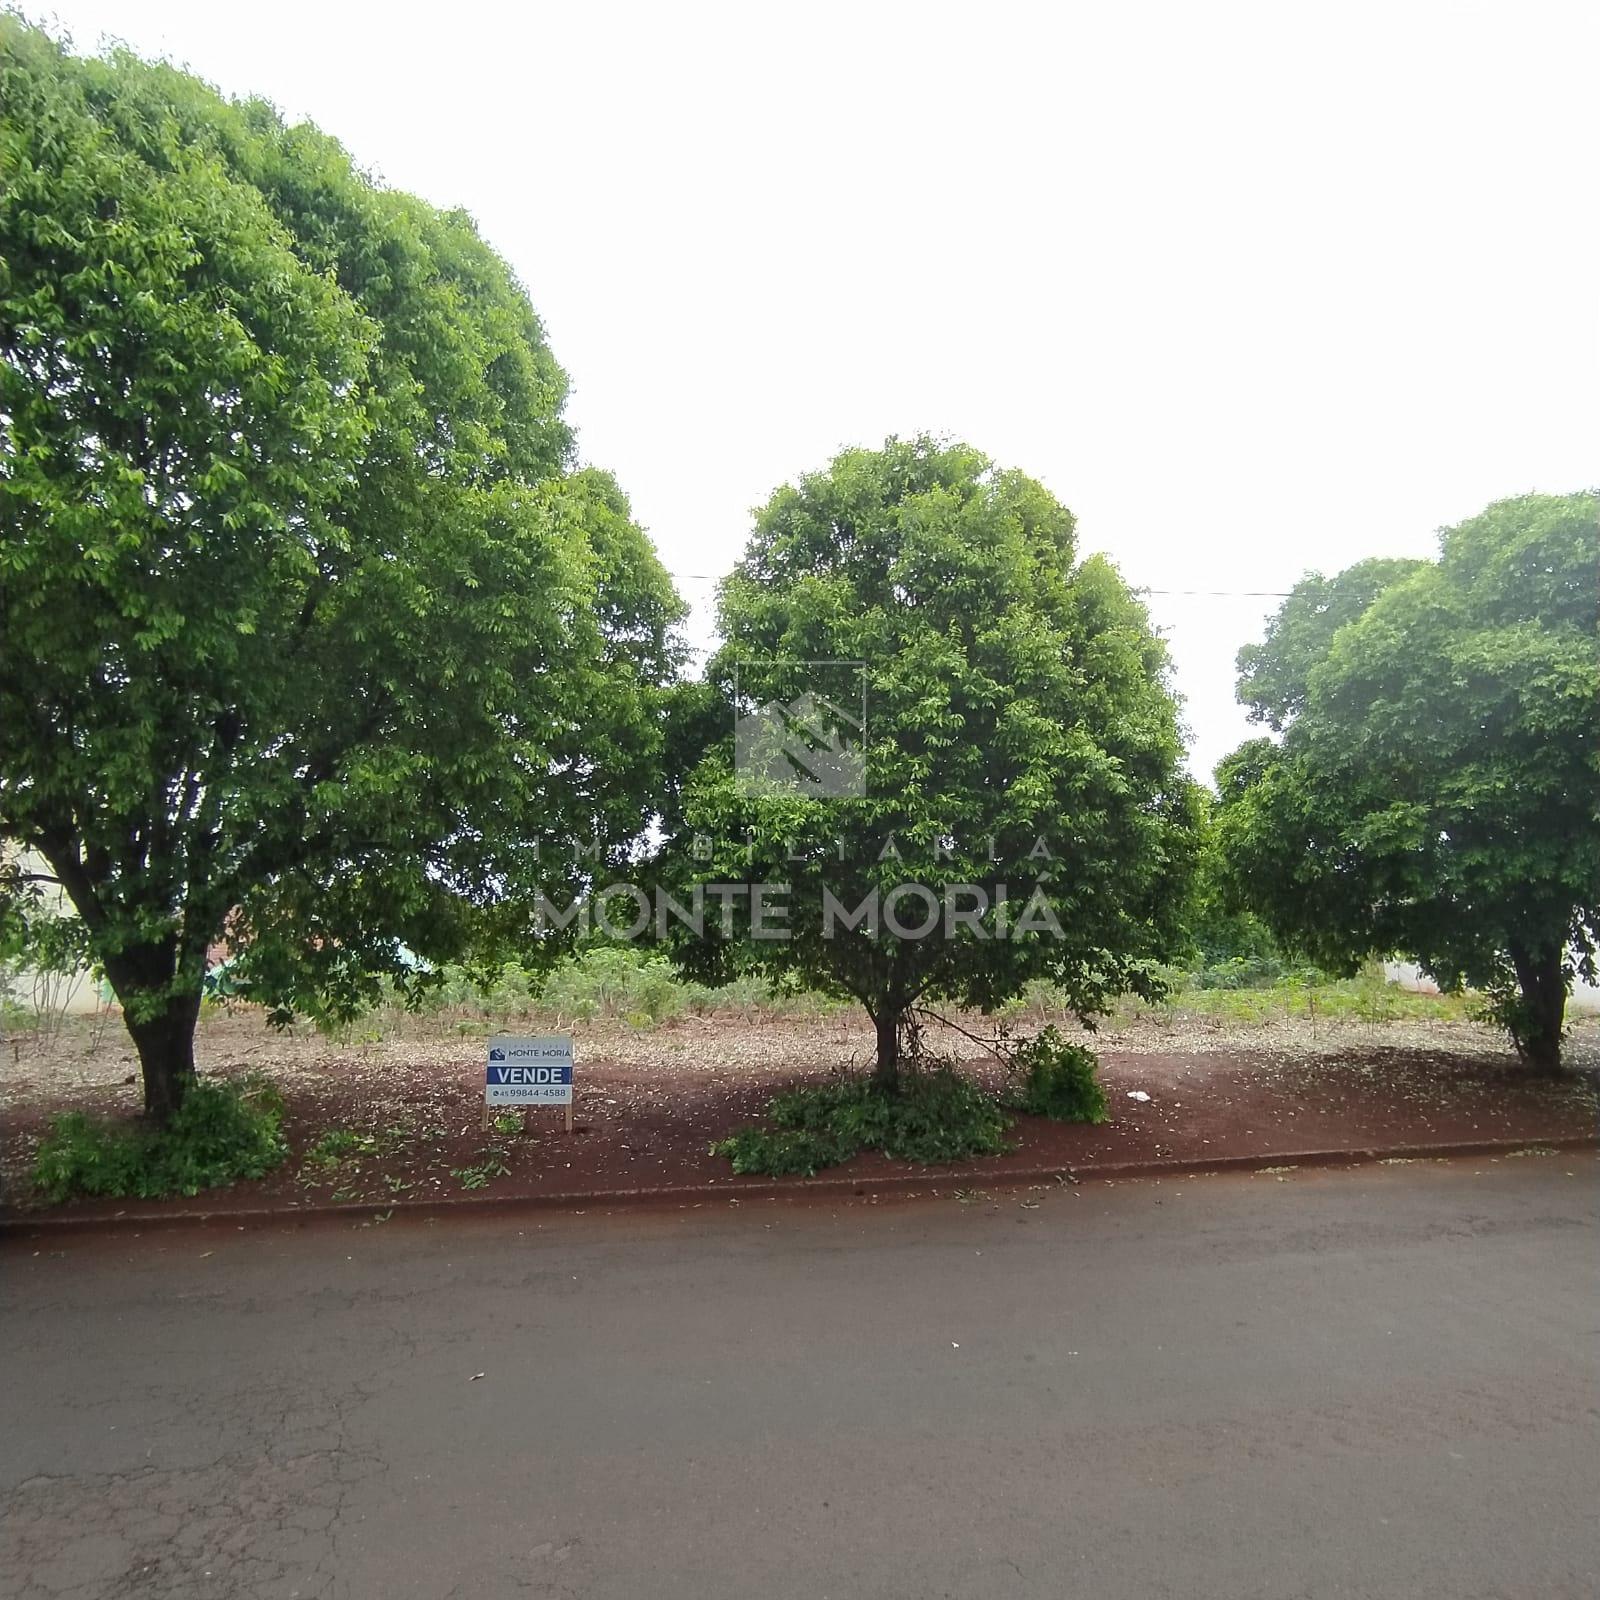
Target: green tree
column 1221, row 933
column 1020, row 755
column 1437, row 789
column 312, row 639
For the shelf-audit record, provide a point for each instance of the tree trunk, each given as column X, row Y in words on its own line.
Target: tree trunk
column 159, row 982
column 1537, row 1034
column 886, row 1071
column 165, row 1043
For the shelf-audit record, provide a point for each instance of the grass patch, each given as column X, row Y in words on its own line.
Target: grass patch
column 221, row 1133
column 936, row 1115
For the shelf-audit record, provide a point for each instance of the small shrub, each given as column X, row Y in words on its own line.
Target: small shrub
column 221, row 1133
column 755, row 993
column 614, row 981
column 1057, row 1079
column 14, row 1017
column 781, row 1152
column 748, row 993
column 936, row 1115
column 1239, row 972
column 1039, row 999
column 507, row 992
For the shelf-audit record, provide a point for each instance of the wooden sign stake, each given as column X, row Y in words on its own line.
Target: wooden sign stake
column 574, row 1086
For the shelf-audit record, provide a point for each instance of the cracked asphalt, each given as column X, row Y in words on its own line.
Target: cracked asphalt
column 1374, row 1382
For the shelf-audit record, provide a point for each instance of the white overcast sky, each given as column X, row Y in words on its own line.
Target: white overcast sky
column 1252, row 288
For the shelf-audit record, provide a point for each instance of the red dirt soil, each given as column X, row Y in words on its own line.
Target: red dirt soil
column 650, row 1104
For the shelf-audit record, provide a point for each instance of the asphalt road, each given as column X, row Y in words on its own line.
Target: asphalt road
column 1374, row 1382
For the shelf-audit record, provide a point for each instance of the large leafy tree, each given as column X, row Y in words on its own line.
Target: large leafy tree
column 1436, row 792
column 312, row 639
column 1020, row 755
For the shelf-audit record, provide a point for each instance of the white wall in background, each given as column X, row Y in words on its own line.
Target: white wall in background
column 75, row 994
column 1585, row 996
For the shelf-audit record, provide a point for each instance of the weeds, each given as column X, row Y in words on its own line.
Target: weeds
column 492, row 1164
column 604, row 982
column 332, row 1145
column 610, row 981
column 1313, row 996
column 221, row 1133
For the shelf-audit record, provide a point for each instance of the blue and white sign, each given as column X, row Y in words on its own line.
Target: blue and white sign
column 529, row 1072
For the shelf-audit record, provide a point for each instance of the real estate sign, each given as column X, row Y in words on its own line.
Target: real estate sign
column 529, row 1072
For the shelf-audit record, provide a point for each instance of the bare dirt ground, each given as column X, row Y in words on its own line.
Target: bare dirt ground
column 651, row 1100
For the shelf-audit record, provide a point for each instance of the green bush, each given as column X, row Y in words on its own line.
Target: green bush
column 508, row 991
column 781, row 1152
column 1058, row 1080
column 615, row 981
column 1239, row 972
column 936, row 1115
column 604, row 981
column 221, row 1133
column 642, row 988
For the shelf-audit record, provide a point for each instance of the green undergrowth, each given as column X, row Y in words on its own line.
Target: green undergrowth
column 1313, row 997
column 1244, row 992
column 1052, row 1077
column 613, row 983
column 221, row 1133
column 640, row 989
column 936, row 1113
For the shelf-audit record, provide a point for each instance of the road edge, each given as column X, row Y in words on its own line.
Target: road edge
column 475, row 1206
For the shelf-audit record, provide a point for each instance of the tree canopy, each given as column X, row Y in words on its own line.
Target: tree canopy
column 1437, row 789
column 1019, row 761
column 313, row 637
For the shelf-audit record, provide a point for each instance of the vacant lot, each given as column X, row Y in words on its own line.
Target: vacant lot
column 392, row 1111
